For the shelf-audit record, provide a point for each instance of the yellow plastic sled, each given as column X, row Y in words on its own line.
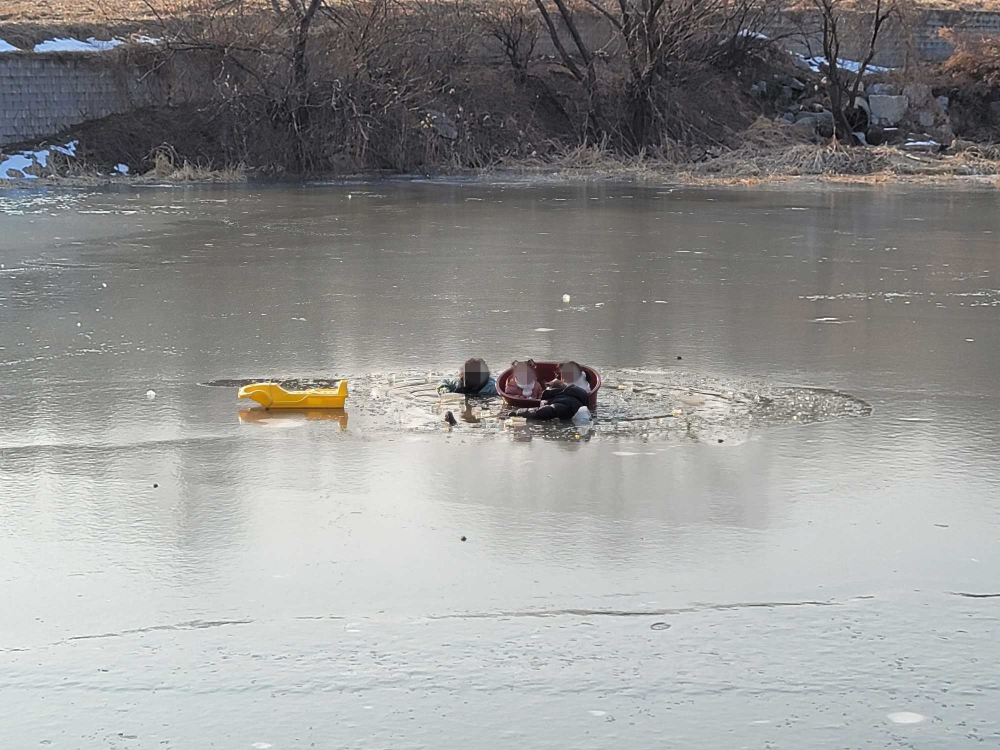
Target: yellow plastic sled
column 273, row 396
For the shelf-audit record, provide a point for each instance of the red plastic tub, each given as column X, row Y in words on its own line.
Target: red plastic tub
column 546, row 372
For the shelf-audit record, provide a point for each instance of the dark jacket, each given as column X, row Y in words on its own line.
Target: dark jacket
column 561, row 401
column 489, row 388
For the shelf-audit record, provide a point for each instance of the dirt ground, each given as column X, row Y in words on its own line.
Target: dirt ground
column 85, row 11
column 111, row 11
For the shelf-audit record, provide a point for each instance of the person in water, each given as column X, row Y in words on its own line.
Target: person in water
column 571, row 372
column 524, row 381
column 562, row 398
column 473, row 379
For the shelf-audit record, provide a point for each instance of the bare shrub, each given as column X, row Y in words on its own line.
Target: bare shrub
column 516, row 28
column 975, row 61
column 303, row 85
column 660, row 48
column 971, row 77
column 840, row 30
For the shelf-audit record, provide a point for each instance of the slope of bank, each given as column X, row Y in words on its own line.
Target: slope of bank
column 188, row 107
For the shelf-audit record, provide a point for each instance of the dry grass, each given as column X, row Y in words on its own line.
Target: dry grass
column 111, row 11
column 769, row 153
column 87, row 11
column 975, row 62
column 167, row 167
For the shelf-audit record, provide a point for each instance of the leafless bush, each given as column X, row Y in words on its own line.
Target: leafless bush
column 975, row 61
column 307, row 85
column 845, row 82
column 516, row 28
column 664, row 44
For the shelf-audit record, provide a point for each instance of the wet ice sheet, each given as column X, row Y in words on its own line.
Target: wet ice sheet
column 307, row 579
column 698, row 676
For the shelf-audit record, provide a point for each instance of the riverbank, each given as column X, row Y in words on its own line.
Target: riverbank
column 432, row 90
column 973, row 166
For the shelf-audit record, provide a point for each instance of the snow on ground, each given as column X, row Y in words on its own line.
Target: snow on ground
column 69, row 44
column 816, row 65
column 13, row 167
column 75, row 45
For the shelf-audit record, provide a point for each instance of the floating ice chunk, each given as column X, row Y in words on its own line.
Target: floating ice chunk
column 150, row 395
column 905, row 717
column 543, row 330
column 566, row 298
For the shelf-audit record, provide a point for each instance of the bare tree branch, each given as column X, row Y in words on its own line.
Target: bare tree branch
column 557, row 42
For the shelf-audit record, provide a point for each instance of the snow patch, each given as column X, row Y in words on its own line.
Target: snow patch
column 816, row 65
column 69, row 44
column 14, row 167
column 905, row 717
column 7, row 47
column 122, row 169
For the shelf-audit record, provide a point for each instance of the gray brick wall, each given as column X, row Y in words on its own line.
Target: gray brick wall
column 933, row 47
column 41, row 95
column 921, row 38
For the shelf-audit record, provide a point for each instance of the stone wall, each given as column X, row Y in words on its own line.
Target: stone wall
column 41, row 95
column 931, row 46
column 918, row 39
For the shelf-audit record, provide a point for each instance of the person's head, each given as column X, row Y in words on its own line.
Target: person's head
column 524, row 372
column 570, row 372
column 474, row 373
